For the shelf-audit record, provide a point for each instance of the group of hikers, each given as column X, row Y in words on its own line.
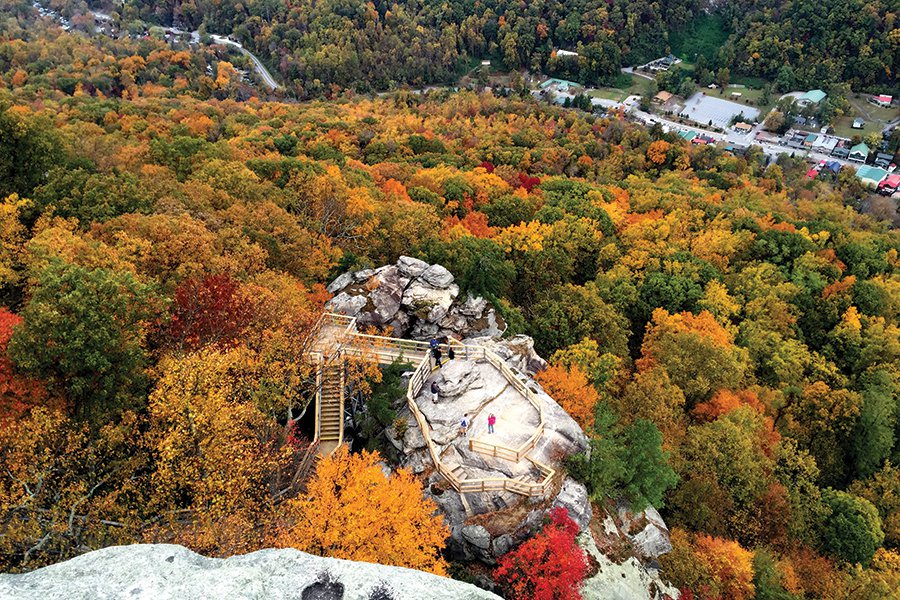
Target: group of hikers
column 436, row 354
column 436, row 351
column 464, row 424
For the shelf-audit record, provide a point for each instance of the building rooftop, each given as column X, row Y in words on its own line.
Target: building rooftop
column 860, row 149
column 814, row 96
column 875, row 174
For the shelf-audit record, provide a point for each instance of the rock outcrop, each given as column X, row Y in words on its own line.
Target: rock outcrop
column 413, row 299
column 167, row 572
column 419, row 301
column 486, row 525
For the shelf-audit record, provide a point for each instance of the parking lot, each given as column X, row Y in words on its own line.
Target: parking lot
column 702, row 108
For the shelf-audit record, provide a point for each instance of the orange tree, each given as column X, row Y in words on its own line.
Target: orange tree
column 352, row 511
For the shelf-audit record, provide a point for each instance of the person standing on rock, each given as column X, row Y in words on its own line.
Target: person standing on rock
column 491, row 420
column 464, row 425
column 434, row 392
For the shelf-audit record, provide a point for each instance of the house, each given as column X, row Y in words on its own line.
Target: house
column 859, row 153
column 811, row 97
column 871, row 176
column 564, row 53
column 811, row 174
column 889, row 185
column 662, row 97
column 743, row 127
column 809, row 140
column 858, row 123
column 882, row 100
column 883, row 160
column 688, row 135
column 833, row 166
column 841, row 151
column 798, row 120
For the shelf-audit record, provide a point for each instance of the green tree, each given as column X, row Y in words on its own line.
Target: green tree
column 853, row 531
column 28, row 149
column 627, row 461
column 567, row 314
column 873, row 437
column 84, row 329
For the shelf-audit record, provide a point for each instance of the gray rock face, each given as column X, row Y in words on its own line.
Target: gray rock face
column 573, row 497
column 646, row 531
column 415, row 300
column 168, row 572
column 629, row 580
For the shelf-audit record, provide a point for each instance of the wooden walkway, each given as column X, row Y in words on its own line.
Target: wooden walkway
column 336, row 337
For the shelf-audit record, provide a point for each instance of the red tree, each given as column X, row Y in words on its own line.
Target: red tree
column 549, row 566
column 18, row 394
column 212, row 310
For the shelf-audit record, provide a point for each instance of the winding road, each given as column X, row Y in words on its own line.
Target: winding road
column 258, row 66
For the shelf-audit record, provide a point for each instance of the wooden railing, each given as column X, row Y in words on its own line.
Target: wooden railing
column 388, row 348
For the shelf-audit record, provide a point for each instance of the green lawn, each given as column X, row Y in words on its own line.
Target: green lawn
column 875, row 118
column 843, row 127
column 638, row 86
column 749, row 97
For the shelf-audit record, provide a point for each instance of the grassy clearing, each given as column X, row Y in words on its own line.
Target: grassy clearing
column 843, row 128
column 707, row 35
column 749, row 97
column 625, row 86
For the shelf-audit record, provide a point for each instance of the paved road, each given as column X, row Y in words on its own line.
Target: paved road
column 260, row 68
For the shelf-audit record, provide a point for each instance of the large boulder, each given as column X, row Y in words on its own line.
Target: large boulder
column 413, row 299
column 168, row 572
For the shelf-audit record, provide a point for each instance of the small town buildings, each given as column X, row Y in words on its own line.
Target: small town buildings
column 743, row 127
column 889, row 185
column 559, row 85
column 859, row 153
column 810, row 139
column 882, row 100
column 883, row 160
column 662, row 97
column 825, row 144
column 858, row 123
column 811, row 97
column 871, row 176
column 841, row 151
column 688, row 135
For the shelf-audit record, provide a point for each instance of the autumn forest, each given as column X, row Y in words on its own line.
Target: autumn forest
column 723, row 329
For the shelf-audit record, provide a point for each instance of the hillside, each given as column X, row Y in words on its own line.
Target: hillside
column 723, row 330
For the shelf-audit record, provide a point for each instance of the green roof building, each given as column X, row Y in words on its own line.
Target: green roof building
column 813, row 96
column 871, row 176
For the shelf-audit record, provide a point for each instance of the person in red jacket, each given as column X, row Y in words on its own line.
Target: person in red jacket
column 491, row 420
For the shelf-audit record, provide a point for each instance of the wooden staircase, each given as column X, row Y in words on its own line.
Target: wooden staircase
column 330, row 410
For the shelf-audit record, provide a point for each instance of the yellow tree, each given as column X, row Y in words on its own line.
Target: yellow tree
column 353, row 511
column 214, row 451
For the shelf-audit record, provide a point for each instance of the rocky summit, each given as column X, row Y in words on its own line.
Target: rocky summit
column 413, row 299
column 168, row 572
